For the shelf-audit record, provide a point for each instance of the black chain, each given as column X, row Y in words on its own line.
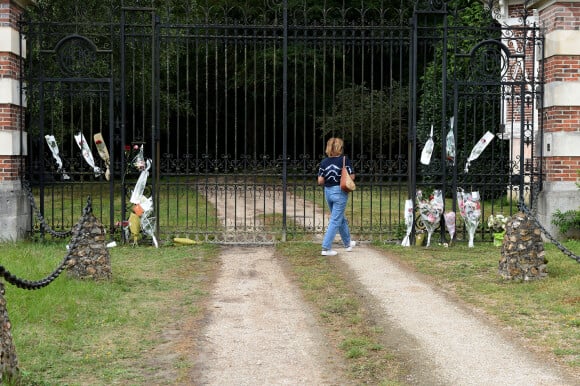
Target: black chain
column 40, row 217
column 33, row 285
column 552, row 239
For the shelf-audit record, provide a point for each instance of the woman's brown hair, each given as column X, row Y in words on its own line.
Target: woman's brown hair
column 334, row 147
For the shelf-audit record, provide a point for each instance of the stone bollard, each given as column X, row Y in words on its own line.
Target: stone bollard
column 90, row 257
column 8, row 358
column 522, row 252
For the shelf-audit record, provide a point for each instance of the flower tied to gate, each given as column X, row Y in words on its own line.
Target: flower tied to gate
column 497, row 222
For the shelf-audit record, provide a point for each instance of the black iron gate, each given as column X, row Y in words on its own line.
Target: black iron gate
column 479, row 81
column 233, row 105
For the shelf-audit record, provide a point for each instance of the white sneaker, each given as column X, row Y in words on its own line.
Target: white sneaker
column 330, row 252
column 352, row 244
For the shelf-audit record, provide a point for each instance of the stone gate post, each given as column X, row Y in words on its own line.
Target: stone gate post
column 15, row 220
column 561, row 111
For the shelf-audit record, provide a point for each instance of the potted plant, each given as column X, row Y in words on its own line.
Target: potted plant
column 419, row 237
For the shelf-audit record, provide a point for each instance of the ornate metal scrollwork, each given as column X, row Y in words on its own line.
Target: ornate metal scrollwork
column 76, row 54
column 486, row 59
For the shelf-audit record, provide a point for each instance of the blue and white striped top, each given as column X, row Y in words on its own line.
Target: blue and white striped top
column 330, row 169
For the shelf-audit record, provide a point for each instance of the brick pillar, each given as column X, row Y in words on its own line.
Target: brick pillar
column 561, row 110
column 14, row 206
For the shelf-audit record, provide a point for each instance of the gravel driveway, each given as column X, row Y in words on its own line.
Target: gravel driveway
column 260, row 332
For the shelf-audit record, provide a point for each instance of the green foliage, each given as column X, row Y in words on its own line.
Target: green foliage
column 566, row 221
column 375, row 118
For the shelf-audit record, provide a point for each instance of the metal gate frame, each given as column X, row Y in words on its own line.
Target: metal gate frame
column 286, row 174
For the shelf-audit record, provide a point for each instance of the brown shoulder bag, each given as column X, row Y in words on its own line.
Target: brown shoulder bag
column 346, row 183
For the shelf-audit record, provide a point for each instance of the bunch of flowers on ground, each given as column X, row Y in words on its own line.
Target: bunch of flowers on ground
column 408, row 222
column 497, row 222
column 450, row 225
column 497, row 225
column 470, row 210
column 430, row 211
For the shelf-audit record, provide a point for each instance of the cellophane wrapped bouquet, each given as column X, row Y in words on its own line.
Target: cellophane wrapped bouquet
column 497, row 222
column 430, row 211
column 470, row 210
column 450, row 225
column 408, row 222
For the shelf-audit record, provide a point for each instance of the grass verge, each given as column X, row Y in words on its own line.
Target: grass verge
column 104, row 333
column 344, row 316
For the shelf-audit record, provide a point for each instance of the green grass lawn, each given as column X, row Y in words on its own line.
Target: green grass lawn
column 76, row 332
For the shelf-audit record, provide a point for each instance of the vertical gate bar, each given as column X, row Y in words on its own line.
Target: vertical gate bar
column 284, row 116
column 315, row 116
column 112, row 155
column 412, row 137
column 123, row 101
column 254, row 121
column 42, row 166
column 455, row 135
column 522, row 119
column 244, row 150
column 206, row 153
column 276, row 42
column 443, row 124
column 156, row 119
column 371, row 156
column 294, row 154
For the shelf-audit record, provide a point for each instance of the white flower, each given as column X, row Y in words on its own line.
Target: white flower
column 497, row 223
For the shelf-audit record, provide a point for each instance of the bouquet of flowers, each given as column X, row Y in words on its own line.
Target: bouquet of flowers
column 430, row 211
column 479, row 148
column 51, row 141
column 408, row 222
column 450, row 224
column 87, row 153
column 470, row 210
column 497, row 223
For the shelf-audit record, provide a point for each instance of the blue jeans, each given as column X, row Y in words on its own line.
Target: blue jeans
column 336, row 200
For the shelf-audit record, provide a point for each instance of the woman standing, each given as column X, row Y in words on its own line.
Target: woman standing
column 329, row 176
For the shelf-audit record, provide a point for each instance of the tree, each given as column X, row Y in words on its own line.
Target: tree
column 375, row 119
